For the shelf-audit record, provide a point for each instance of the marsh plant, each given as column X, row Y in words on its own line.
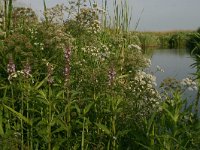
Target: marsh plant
column 61, row 89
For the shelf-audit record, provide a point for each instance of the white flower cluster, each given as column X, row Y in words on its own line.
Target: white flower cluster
column 89, row 19
column 158, row 68
column 39, row 45
column 143, row 88
column 33, row 34
column 148, row 62
column 189, row 83
column 135, row 47
column 19, row 73
column 55, row 14
column 95, row 27
column 99, row 53
column 145, row 79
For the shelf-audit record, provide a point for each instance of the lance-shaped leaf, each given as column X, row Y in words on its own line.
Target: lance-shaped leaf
column 19, row 115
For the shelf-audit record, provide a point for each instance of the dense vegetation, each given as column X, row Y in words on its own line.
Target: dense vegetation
column 76, row 84
column 170, row 39
column 193, row 42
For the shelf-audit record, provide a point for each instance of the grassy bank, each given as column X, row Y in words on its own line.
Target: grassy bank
column 165, row 39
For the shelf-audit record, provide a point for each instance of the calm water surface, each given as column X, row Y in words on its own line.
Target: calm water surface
column 176, row 64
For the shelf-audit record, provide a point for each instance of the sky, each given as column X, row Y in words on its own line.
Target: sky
column 157, row 15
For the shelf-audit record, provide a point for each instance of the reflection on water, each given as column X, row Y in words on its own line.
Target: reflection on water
column 176, row 64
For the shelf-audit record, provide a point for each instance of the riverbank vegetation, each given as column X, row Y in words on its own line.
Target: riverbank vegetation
column 75, row 84
column 165, row 39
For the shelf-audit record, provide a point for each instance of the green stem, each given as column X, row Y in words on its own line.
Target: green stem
column 28, row 132
column 5, row 14
column 197, row 103
column 22, row 130
column 68, row 115
column 113, row 118
column 83, row 135
column 49, row 128
column 49, row 121
column 10, row 7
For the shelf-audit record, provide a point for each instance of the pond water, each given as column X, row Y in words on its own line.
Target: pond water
column 176, row 63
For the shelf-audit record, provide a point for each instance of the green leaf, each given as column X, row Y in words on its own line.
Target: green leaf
column 150, row 122
column 122, row 76
column 19, row 115
column 38, row 85
column 43, row 97
column 87, row 108
column 60, row 93
column 103, row 127
column 77, row 109
column 1, row 130
column 59, row 143
column 1, row 125
column 144, row 146
column 173, row 117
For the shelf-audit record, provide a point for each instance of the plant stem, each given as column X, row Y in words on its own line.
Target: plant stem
column 49, row 121
column 27, row 115
column 10, row 7
column 5, row 14
column 197, row 103
column 22, row 130
column 83, row 134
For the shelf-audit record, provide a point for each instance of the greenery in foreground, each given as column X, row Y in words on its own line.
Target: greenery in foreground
column 76, row 85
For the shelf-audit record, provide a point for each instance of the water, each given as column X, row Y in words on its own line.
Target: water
column 176, row 64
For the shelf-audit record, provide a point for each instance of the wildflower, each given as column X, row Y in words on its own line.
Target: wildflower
column 135, row 47
column 67, row 55
column 159, row 68
column 50, row 68
column 11, row 69
column 195, row 88
column 190, row 88
column 11, row 66
column 111, row 75
column 189, row 84
column 157, row 103
column 27, row 70
column 148, row 62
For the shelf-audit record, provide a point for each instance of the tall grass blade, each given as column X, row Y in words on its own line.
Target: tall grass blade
column 138, row 21
column 19, row 115
column 10, row 8
column 45, row 11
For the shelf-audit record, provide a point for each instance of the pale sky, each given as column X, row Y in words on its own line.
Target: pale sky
column 158, row 15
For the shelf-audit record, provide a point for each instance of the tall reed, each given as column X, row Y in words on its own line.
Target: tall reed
column 8, row 8
column 122, row 16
